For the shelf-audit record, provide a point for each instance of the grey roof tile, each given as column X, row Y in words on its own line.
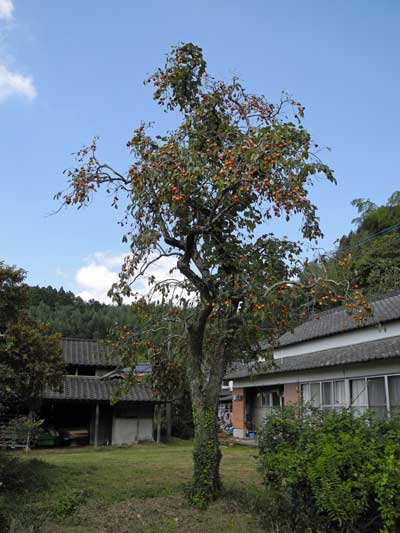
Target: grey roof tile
column 87, row 352
column 93, row 388
column 337, row 320
column 357, row 353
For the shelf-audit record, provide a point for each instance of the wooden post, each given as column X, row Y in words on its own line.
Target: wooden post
column 137, row 429
column 169, row 420
column 96, row 424
column 158, row 424
column 29, row 431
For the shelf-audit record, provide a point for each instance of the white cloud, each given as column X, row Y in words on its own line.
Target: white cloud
column 12, row 83
column 110, row 261
column 161, row 271
column 6, row 9
column 94, row 280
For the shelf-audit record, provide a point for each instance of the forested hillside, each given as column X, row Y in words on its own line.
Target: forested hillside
column 374, row 245
column 370, row 253
column 73, row 317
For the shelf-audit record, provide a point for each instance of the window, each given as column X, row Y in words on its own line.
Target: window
column 270, row 399
column 311, row 394
column 325, row 394
column 369, row 394
column 394, row 394
column 377, row 396
column 333, row 394
column 359, row 396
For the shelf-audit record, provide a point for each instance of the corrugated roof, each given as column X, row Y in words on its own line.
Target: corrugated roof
column 87, row 352
column 385, row 309
column 93, row 388
column 388, row 348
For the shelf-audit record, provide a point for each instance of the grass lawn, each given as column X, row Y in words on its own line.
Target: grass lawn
column 140, row 488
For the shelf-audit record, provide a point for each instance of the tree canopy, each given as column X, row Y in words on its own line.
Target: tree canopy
column 30, row 356
column 206, row 195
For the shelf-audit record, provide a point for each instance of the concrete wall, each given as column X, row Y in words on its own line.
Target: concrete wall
column 132, row 424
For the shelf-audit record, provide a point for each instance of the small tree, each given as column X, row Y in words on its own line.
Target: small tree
column 13, row 293
column 30, row 357
column 205, row 195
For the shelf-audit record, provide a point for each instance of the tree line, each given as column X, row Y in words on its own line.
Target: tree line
column 71, row 316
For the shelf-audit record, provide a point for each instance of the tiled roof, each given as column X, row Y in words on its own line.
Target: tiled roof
column 337, row 320
column 388, row 348
column 87, row 352
column 93, row 388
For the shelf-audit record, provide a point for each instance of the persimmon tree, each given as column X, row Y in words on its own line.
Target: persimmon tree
column 206, row 196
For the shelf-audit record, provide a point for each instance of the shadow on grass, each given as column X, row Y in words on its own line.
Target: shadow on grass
column 32, row 489
column 22, row 474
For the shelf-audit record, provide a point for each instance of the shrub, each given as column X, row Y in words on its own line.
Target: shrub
column 331, row 471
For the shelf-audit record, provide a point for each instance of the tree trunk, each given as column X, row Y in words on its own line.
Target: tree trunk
column 29, row 431
column 206, row 455
column 205, row 373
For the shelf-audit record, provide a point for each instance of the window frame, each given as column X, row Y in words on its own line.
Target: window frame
column 347, row 390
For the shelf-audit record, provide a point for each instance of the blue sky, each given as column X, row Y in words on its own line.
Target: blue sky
column 73, row 69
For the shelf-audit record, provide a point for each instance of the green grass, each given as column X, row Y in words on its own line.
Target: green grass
column 140, row 488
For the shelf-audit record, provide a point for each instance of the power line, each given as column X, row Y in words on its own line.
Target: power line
column 367, row 239
column 374, row 236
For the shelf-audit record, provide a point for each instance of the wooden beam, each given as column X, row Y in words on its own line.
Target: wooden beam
column 158, row 424
column 96, row 424
column 169, row 420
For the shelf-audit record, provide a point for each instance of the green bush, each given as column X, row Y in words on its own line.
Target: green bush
column 331, row 471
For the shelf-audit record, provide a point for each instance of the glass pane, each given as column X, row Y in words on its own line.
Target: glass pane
column 264, row 399
column 327, row 393
column 359, row 400
column 275, row 399
column 377, row 396
column 339, row 393
column 315, row 394
column 394, row 394
column 306, row 392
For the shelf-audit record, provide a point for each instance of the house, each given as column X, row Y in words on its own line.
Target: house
column 84, row 404
column 330, row 362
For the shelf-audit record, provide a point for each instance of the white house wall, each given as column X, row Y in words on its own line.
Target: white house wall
column 372, row 333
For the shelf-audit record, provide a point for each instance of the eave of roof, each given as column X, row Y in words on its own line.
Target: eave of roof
column 381, row 349
column 91, row 388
